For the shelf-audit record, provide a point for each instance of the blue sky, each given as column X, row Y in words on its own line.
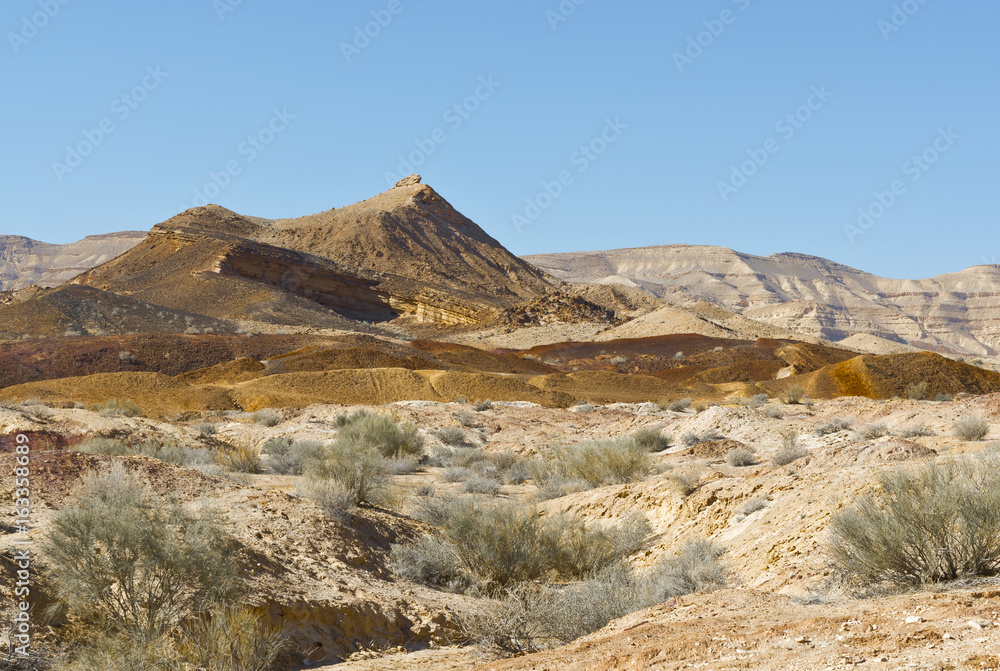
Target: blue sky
column 578, row 126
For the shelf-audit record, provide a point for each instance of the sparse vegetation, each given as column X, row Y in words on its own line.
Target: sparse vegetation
column 835, row 425
column 943, row 398
column 755, row 401
column 774, row 412
column 916, row 391
column 607, row 462
column 267, row 417
column 652, row 439
column 915, row 431
column 793, row 395
column 935, row 523
column 684, row 481
column 740, row 457
column 679, row 406
column 465, row 418
column 141, row 563
column 972, row 429
column 240, row 457
column 873, row 431
column 114, row 407
column 452, row 435
column 790, row 449
column 753, row 505
column 483, row 406
column 127, row 357
column 347, row 473
column 482, row 485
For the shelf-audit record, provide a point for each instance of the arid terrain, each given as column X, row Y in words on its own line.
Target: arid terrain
column 423, row 452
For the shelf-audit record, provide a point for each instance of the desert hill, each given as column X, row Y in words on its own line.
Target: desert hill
column 957, row 312
column 24, row 261
column 404, row 253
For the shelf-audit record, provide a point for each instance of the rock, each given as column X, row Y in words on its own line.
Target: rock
column 914, row 619
column 979, row 624
column 412, row 180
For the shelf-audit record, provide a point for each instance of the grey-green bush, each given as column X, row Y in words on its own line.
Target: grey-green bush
column 934, row 523
column 740, row 457
column 383, row 434
column 652, row 439
column 607, row 462
column 144, row 564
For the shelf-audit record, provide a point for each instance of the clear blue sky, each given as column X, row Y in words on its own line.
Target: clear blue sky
column 226, row 70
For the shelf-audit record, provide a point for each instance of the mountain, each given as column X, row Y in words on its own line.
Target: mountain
column 405, row 255
column 24, row 261
column 957, row 312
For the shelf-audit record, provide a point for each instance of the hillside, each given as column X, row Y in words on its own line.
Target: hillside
column 957, row 313
column 405, row 253
column 24, row 261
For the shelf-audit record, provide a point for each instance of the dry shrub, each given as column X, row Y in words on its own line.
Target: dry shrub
column 114, row 407
column 502, row 543
column 684, row 481
column 267, row 417
column 381, row 433
column 232, row 639
column 973, row 428
column 347, row 474
column 142, row 564
column 835, row 425
column 652, row 439
column 607, row 462
column 916, row 390
column 793, row 395
column 936, row 523
column 240, row 457
column 915, row 431
column 697, row 567
column 873, row 431
column 452, row 435
column 740, row 456
column 429, row 561
column 586, row 549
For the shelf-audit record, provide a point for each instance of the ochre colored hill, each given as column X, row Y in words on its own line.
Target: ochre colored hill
column 379, row 386
column 889, row 375
column 156, row 394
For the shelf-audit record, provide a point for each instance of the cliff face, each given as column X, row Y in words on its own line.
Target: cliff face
column 24, row 261
column 957, row 312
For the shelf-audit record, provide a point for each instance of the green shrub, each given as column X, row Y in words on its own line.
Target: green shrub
column 143, row 564
column 381, row 433
column 652, row 439
column 973, row 428
column 607, row 462
column 936, row 523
